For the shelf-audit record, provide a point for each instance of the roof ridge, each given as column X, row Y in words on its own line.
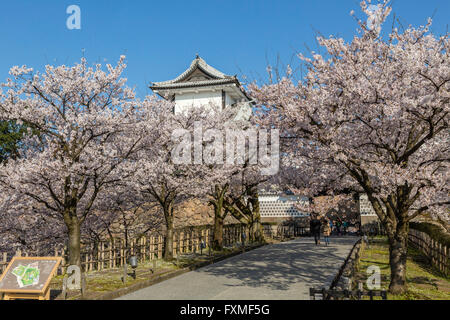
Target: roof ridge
column 198, row 62
column 194, row 83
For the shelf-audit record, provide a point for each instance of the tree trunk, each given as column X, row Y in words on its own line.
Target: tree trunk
column 168, row 244
column 257, row 230
column 217, row 243
column 249, row 233
column 398, row 248
column 74, row 242
column 255, row 219
column 217, row 202
column 394, row 219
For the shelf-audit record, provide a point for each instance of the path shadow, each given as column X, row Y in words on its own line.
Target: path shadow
column 279, row 266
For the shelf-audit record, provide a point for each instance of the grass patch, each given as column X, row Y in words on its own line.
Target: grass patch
column 424, row 282
column 99, row 282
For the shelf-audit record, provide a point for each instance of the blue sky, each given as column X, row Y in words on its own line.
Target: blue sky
column 160, row 38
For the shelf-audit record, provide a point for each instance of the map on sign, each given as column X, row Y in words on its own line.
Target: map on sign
column 27, row 275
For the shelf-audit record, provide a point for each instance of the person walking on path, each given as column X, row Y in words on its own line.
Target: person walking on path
column 314, row 227
column 326, row 232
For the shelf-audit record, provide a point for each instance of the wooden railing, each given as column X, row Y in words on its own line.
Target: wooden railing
column 437, row 254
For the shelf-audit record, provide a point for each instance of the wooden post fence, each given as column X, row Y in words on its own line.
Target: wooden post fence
column 113, row 253
column 437, row 254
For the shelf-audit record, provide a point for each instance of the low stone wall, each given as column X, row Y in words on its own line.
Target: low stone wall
column 368, row 219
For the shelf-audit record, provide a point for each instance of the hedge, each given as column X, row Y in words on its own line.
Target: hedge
column 434, row 231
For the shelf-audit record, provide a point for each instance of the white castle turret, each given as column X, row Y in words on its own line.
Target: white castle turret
column 203, row 85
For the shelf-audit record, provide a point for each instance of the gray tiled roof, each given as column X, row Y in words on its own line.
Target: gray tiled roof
column 213, row 77
column 197, row 63
column 175, row 85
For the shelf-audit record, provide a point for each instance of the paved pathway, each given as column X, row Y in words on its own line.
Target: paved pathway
column 280, row 271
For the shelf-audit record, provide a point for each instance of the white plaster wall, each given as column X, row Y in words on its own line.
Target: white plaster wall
column 183, row 101
column 365, row 207
column 280, row 206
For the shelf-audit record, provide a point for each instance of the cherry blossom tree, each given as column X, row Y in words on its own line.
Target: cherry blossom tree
column 232, row 197
column 87, row 121
column 185, row 158
column 30, row 231
column 160, row 173
column 237, row 174
column 123, row 212
column 224, row 175
column 242, row 202
column 372, row 115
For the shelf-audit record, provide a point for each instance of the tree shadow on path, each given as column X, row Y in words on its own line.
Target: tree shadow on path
column 280, row 266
